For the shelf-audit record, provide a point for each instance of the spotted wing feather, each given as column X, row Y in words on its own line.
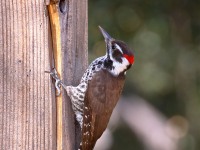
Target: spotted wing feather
column 102, row 95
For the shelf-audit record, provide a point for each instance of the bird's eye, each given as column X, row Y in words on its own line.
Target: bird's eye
column 117, row 54
column 113, row 47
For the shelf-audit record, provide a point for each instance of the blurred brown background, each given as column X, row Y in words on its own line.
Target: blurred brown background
column 160, row 106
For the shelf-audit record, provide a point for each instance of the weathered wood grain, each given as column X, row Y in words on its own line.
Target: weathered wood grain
column 27, row 104
column 74, row 24
column 69, row 34
column 27, row 95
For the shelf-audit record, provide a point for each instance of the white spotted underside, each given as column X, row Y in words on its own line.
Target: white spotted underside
column 77, row 94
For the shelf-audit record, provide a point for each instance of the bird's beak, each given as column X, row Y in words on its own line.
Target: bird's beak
column 106, row 36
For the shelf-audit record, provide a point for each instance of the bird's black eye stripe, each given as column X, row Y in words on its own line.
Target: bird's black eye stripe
column 117, row 55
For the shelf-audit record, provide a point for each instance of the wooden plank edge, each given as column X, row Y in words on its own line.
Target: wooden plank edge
column 56, row 37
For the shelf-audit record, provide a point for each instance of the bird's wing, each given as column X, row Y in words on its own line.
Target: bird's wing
column 102, row 95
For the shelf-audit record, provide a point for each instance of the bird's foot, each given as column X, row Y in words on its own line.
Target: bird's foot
column 58, row 82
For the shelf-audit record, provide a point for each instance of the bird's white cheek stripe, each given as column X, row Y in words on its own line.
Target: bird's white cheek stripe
column 119, row 48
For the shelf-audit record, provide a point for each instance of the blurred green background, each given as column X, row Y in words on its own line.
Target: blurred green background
column 165, row 38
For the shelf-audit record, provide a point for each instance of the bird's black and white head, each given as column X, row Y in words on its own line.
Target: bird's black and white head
column 119, row 56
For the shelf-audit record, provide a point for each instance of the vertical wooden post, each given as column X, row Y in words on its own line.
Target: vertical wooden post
column 69, row 32
column 27, row 95
column 27, row 104
column 74, row 38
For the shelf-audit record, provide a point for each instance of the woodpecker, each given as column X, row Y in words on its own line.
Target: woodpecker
column 98, row 92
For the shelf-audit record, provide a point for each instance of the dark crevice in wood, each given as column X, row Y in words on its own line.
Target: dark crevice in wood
column 63, row 6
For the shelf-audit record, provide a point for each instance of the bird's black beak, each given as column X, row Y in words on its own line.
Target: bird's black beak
column 106, row 36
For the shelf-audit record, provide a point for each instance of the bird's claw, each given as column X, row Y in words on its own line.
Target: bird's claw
column 54, row 75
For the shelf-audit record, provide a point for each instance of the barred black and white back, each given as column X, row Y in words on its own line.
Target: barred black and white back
column 77, row 94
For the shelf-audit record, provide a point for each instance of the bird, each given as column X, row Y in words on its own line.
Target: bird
column 99, row 90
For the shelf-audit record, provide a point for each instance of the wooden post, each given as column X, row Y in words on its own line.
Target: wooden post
column 27, row 104
column 27, row 95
